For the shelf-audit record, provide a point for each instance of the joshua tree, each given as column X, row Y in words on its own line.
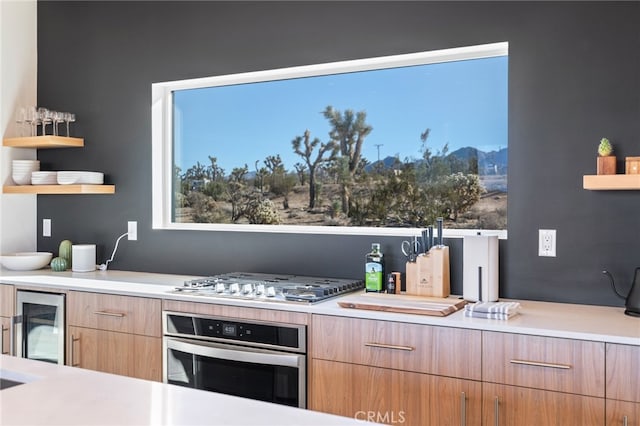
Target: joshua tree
column 306, row 153
column 348, row 131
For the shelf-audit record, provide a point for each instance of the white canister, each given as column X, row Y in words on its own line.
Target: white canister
column 83, row 257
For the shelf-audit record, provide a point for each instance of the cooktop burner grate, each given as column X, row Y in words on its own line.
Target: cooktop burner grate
column 269, row 287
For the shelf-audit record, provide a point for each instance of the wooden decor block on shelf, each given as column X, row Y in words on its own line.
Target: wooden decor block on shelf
column 611, row 182
column 59, row 189
column 47, row 141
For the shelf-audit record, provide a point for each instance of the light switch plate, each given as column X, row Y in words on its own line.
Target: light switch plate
column 46, row 227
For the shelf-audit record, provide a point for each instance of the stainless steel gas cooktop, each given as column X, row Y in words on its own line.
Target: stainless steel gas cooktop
column 269, row 287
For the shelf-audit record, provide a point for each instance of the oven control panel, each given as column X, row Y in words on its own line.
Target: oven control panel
column 273, row 335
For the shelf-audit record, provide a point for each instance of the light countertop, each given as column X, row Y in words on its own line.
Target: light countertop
column 60, row 395
column 584, row 322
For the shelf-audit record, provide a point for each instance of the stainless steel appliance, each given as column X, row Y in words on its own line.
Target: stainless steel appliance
column 251, row 359
column 39, row 326
column 269, row 287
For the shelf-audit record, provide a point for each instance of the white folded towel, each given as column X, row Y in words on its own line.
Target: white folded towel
column 492, row 310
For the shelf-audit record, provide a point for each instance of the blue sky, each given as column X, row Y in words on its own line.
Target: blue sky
column 464, row 103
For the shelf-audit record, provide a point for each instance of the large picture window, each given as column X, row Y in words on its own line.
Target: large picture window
column 381, row 145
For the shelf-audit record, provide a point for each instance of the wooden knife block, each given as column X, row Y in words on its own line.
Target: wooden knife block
column 429, row 275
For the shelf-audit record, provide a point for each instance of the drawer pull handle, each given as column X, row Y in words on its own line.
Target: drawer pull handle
column 540, row 364
column 496, row 411
column 2, row 341
column 624, row 421
column 109, row 314
column 463, row 413
column 73, row 340
column 385, row 346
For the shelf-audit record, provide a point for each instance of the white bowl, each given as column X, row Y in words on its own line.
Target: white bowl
column 26, row 261
column 21, row 178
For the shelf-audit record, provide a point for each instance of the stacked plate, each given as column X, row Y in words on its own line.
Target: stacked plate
column 21, row 171
column 77, row 178
column 44, row 178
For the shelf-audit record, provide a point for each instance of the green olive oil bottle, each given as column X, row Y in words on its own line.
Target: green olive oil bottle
column 374, row 270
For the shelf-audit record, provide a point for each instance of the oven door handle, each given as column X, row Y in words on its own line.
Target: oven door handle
column 240, row 354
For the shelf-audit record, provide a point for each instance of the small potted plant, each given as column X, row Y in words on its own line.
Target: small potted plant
column 606, row 161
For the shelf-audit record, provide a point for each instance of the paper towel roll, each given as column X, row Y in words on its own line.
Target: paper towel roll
column 480, row 268
column 83, row 257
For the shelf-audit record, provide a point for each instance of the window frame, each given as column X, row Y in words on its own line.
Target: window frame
column 162, row 135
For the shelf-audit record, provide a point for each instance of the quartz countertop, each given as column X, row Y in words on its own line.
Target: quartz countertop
column 58, row 395
column 574, row 321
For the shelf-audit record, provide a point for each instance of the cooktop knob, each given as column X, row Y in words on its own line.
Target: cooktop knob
column 260, row 289
column 220, row 288
column 271, row 291
column 234, row 288
column 247, row 288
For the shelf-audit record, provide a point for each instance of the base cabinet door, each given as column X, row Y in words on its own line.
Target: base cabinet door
column 622, row 413
column 393, row 396
column 513, row 405
column 118, row 353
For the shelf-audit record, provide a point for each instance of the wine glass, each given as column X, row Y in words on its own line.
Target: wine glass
column 45, row 118
column 31, row 119
column 69, row 118
column 57, row 117
column 21, row 120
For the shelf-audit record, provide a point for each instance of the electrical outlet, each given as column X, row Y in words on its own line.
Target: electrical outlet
column 132, row 230
column 46, row 227
column 547, row 242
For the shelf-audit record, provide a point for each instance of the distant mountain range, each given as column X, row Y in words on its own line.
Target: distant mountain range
column 489, row 163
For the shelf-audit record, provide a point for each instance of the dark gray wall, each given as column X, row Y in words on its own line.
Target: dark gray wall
column 574, row 77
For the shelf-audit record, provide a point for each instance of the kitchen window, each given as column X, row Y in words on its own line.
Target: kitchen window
column 381, row 145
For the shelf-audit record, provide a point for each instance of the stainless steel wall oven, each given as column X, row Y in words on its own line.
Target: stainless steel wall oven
column 252, row 359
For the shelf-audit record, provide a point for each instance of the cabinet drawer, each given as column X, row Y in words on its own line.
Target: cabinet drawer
column 412, row 347
column 136, row 315
column 620, row 413
column 550, row 363
column 7, row 300
column 623, row 370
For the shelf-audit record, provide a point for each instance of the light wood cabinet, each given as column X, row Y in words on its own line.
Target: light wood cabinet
column 623, row 385
column 622, row 413
column 7, row 300
column 515, row 405
column 115, row 334
column 565, row 365
column 542, row 380
column 444, row 351
column 7, row 310
column 118, row 353
column 126, row 314
column 392, row 396
column 395, row 373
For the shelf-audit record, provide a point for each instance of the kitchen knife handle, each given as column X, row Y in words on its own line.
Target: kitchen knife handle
column 463, row 409
column 385, row 346
column 73, row 340
column 2, row 340
column 110, row 314
column 496, row 411
column 540, row 364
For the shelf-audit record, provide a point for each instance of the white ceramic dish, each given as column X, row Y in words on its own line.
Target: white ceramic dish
column 76, row 178
column 44, row 178
column 26, row 261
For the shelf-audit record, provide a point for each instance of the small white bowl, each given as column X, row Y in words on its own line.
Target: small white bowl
column 26, row 261
column 21, row 178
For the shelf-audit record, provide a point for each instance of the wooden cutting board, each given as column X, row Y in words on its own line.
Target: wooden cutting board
column 404, row 304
